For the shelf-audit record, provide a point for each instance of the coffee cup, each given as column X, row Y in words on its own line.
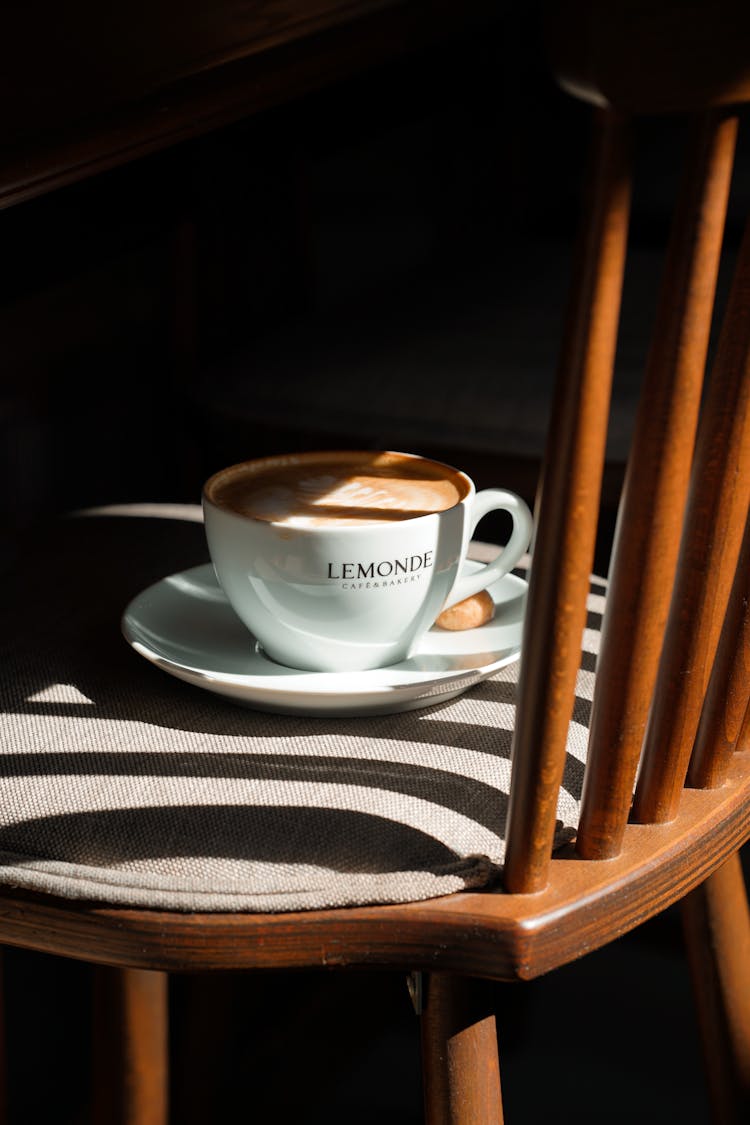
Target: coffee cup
column 341, row 561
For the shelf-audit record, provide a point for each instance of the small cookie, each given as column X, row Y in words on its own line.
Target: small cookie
column 473, row 611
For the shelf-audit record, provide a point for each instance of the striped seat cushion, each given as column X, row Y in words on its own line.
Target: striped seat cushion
column 121, row 784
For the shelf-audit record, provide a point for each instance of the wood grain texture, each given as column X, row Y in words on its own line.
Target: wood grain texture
column 644, row 557
column 640, row 57
column 567, row 511
column 743, row 739
column 728, row 693
column 494, row 935
column 460, row 1067
column 717, row 933
column 130, row 1048
column 714, row 523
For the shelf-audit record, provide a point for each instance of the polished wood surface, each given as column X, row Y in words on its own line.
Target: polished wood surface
column 461, row 1071
column 655, row 490
column 499, row 936
column 714, row 523
column 728, row 694
column 566, row 516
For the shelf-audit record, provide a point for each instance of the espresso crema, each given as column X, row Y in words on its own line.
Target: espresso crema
column 334, row 489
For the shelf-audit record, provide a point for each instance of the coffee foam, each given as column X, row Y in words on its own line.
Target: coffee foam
column 337, row 489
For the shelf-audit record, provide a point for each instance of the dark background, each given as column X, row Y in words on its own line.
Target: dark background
column 123, row 295
column 396, row 240
column 393, row 241
column 381, row 264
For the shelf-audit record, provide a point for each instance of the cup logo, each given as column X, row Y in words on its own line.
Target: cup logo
column 377, row 574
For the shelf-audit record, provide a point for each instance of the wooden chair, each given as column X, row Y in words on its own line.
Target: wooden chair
column 672, row 688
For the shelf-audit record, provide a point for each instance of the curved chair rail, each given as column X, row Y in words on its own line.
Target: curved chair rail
column 586, row 904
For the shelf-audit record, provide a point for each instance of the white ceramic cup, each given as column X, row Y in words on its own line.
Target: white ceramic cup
column 339, row 595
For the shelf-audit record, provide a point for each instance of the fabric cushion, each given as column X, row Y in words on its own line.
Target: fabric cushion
column 124, row 785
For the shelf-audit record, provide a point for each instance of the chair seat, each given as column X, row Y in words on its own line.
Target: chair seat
column 124, row 786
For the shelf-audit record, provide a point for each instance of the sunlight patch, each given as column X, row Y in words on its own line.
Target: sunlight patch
column 59, row 693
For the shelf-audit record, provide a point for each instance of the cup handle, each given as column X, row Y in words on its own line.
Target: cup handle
column 489, row 500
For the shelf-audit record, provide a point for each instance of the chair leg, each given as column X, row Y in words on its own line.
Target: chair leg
column 716, row 923
column 130, row 1049
column 461, row 1072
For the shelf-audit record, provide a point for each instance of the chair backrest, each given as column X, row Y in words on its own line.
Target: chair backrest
column 672, row 688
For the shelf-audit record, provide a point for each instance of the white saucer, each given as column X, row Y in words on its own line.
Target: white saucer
column 185, row 625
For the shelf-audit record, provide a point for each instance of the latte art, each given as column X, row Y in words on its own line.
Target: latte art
column 314, row 490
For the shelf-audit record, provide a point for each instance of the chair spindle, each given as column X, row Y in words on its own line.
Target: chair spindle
column 729, row 687
column 713, row 527
column 567, row 507
column 644, row 557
